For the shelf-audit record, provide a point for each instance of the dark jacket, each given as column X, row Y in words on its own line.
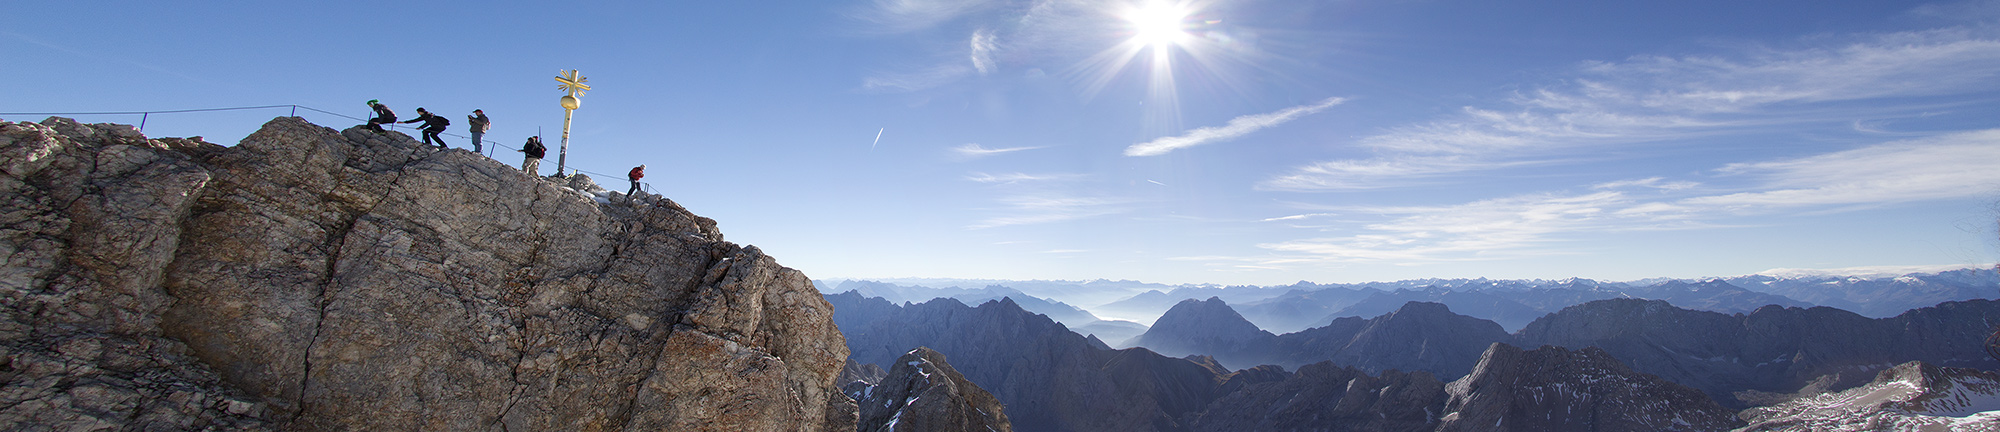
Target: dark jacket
column 431, row 121
column 479, row 123
column 383, row 114
column 534, row 148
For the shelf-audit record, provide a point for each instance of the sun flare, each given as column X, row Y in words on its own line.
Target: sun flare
column 1158, row 24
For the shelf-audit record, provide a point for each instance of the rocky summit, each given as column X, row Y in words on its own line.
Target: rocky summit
column 1555, row 389
column 924, row 393
column 313, row 279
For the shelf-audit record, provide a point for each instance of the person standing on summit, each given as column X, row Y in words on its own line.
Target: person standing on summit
column 433, row 125
column 534, row 152
column 478, row 123
column 635, row 175
column 382, row 116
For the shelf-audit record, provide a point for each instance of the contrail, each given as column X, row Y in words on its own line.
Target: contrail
column 878, row 139
column 1157, row 183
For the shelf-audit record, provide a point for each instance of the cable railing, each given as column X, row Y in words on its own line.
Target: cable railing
column 147, row 115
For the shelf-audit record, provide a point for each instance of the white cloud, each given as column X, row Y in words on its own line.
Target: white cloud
column 1658, row 99
column 1377, row 173
column 896, row 16
column 1952, row 166
column 1038, row 209
column 1660, row 183
column 1236, row 127
column 982, row 51
column 1017, row 177
column 1296, row 217
column 974, row 150
column 1481, row 230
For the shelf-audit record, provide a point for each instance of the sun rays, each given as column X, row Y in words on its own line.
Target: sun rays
column 1164, row 36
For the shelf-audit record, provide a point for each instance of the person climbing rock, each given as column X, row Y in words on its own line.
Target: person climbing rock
column 382, row 116
column 478, row 123
column 635, row 175
column 534, row 152
column 432, row 126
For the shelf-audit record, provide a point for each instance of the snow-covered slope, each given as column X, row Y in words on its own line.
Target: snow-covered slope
column 1913, row 396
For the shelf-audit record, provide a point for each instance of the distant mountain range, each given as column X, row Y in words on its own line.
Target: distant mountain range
column 1082, row 321
column 1510, row 302
column 1740, row 359
column 1050, row 379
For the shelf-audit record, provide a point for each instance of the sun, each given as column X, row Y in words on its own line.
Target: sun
column 1158, row 24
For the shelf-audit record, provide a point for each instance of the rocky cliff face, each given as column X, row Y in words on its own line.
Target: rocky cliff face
column 350, row 280
column 1553, row 389
column 924, row 393
column 1911, row 396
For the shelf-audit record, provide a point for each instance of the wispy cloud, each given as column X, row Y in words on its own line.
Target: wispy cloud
column 1297, row 217
column 1953, row 166
column 1038, row 209
column 974, row 150
column 1018, row 177
column 982, row 51
column 896, row 16
column 1660, row 99
column 1377, row 173
column 1236, row 127
column 1481, row 230
column 1660, row 183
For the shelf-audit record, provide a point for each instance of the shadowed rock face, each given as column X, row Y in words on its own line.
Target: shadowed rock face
column 1324, row 397
column 358, row 281
column 1555, row 389
column 923, row 393
column 1050, row 379
column 1742, row 358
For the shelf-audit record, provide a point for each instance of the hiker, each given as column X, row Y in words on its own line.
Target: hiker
column 432, row 126
column 534, row 150
column 479, row 123
column 635, row 175
column 382, row 116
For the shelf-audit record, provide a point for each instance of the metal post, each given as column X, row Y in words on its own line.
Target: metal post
column 142, row 121
column 562, row 158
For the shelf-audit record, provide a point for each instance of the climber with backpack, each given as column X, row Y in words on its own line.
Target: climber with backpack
column 382, row 116
column 433, row 125
column 533, row 151
column 637, row 173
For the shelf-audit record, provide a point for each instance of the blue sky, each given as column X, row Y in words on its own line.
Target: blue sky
column 1241, row 142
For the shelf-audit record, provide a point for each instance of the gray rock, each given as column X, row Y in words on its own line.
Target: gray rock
column 924, row 393
column 353, row 280
column 1554, row 389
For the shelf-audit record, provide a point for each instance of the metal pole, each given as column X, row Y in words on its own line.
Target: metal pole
column 142, row 121
column 562, row 159
column 295, row 110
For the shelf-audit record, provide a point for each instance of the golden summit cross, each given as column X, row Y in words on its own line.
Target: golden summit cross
column 572, row 82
